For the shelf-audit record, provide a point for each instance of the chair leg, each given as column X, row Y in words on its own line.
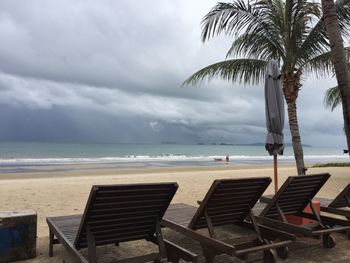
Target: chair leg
column 270, row 256
column 91, row 246
column 51, row 238
column 172, row 254
column 208, row 253
column 161, row 244
column 163, row 260
column 348, row 231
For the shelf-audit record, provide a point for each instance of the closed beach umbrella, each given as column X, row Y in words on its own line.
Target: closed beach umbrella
column 274, row 108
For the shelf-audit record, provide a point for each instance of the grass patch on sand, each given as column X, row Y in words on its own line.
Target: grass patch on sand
column 331, row 165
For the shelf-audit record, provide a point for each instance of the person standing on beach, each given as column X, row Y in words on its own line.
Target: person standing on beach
column 227, row 157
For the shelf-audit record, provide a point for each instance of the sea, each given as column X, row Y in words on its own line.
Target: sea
column 40, row 153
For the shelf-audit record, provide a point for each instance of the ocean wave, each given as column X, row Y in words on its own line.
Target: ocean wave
column 138, row 158
column 164, row 158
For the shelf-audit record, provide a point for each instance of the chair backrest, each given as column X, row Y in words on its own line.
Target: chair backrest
column 228, row 201
column 342, row 199
column 295, row 194
column 118, row 213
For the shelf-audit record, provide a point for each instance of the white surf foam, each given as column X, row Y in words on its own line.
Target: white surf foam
column 162, row 158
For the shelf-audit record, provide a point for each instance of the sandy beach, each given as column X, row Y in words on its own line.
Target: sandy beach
column 63, row 193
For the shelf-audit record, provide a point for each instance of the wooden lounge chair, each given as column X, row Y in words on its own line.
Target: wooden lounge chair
column 115, row 214
column 338, row 206
column 291, row 199
column 228, row 202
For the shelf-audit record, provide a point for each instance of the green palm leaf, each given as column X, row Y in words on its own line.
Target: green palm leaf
column 242, row 70
column 332, row 98
column 256, row 45
column 234, row 18
column 316, row 41
column 321, row 65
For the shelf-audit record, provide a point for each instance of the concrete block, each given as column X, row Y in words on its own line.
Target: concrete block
column 17, row 235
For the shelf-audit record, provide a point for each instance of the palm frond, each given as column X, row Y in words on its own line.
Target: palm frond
column 316, row 41
column 234, row 18
column 343, row 11
column 321, row 65
column 242, row 70
column 300, row 17
column 278, row 18
column 256, row 45
column 332, row 98
column 216, row 21
column 315, row 44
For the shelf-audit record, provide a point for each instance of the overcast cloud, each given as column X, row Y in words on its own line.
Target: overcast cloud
column 111, row 71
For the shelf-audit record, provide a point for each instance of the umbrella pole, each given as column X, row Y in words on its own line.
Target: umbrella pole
column 275, row 171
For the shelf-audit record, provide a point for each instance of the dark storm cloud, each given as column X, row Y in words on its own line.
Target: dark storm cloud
column 109, row 44
column 72, row 69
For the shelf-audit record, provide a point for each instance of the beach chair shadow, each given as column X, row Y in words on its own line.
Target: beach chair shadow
column 291, row 199
column 228, row 202
column 340, row 205
column 115, row 214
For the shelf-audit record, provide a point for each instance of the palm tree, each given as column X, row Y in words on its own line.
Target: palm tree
column 291, row 32
column 339, row 60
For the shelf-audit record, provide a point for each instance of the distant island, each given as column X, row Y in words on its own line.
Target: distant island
column 250, row 144
column 235, row 144
column 286, row 144
column 169, row 142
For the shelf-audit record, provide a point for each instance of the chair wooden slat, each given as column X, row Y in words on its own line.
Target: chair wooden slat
column 113, row 191
column 236, row 196
column 340, row 200
column 118, row 213
column 295, row 202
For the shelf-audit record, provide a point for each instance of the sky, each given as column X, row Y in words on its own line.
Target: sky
column 111, row 71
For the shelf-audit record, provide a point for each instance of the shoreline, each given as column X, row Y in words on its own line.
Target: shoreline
column 167, row 159
column 78, row 170
column 8, row 172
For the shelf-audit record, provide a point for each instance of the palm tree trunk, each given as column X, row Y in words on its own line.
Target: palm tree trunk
column 291, row 86
column 296, row 140
column 339, row 60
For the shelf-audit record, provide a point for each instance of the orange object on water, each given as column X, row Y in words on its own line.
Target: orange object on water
column 297, row 220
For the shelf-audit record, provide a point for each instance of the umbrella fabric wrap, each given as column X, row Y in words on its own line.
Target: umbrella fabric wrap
column 274, row 108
